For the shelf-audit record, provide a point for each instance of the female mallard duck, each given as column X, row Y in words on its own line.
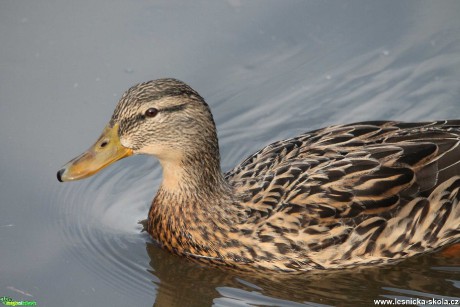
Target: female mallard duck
column 359, row 194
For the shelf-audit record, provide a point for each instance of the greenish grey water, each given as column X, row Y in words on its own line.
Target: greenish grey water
column 268, row 69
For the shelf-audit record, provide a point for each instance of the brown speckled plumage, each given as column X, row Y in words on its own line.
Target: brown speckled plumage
column 358, row 194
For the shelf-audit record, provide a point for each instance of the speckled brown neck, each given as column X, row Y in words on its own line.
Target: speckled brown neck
column 193, row 204
column 188, row 221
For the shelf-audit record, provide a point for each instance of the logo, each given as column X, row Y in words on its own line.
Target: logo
column 8, row 301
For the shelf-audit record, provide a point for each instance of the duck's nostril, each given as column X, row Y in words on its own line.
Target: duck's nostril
column 59, row 174
column 103, row 144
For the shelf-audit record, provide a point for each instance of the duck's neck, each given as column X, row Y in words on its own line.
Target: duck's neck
column 193, row 205
column 198, row 174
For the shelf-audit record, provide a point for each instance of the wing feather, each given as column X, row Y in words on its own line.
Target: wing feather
column 350, row 170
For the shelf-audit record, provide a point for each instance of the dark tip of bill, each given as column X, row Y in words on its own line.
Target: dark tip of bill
column 59, row 174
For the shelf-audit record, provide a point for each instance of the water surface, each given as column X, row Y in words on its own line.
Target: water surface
column 268, row 69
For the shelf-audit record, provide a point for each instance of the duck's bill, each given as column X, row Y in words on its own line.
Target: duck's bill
column 104, row 152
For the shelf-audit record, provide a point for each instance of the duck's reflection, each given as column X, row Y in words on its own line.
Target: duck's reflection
column 184, row 283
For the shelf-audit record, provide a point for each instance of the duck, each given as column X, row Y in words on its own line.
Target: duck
column 359, row 194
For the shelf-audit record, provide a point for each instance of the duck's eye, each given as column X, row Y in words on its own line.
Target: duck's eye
column 152, row 112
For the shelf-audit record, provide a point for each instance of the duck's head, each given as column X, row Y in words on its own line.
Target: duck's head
column 165, row 118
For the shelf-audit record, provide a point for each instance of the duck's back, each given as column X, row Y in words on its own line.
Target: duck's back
column 368, row 192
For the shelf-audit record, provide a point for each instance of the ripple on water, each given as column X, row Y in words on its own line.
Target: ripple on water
column 98, row 219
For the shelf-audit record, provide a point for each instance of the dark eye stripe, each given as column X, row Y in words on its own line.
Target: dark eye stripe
column 174, row 108
column 152, row 112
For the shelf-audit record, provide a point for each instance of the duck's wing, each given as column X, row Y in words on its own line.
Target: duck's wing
column 354, row 179
column 350, row 155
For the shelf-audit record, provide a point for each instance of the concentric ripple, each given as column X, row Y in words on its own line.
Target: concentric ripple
column 99, row 219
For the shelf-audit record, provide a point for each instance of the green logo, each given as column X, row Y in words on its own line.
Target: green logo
column 8, row 301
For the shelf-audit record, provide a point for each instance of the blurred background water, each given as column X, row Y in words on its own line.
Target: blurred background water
column 268, row 69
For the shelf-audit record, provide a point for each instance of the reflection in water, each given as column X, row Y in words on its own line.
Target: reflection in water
column 183, row 283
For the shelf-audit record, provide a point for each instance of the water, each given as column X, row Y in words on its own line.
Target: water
column 269, row 70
